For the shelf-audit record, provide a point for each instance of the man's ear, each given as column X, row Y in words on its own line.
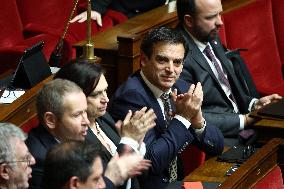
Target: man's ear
column 4, row 171
column 143, row 58
column 73, row 182
column 50, row 120
column 188, row 20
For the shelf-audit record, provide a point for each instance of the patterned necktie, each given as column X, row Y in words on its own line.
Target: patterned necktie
column 245, row 134
column 168, row 116
column 167, row 107
column 221, row 75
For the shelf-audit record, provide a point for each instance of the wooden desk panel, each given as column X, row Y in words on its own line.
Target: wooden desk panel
column 22, row 109
column 211, row 171
column 267, row 127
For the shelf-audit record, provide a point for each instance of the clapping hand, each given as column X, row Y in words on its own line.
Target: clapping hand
column 136, row 125
column 126, row 166
column 189, row 105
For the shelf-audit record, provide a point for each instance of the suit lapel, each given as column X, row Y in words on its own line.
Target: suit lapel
column 108, row 130
column 91, row 137
column 219, row 52
column 154, row 105
column 197, row 55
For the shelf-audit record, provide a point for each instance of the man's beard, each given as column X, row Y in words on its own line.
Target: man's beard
column 203, row 36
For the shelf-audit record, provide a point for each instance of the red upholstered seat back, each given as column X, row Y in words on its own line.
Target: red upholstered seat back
column 273, row 180
column 10, row 23
column 29, row 124
column 278, row 18
column 252, row 27
column 222, row 34
column 52, row 13
column 192, row 157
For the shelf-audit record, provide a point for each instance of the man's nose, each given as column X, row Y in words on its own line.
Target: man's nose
column 170, row 67
column 32, row 161
column 219, row 21
column 85, row 119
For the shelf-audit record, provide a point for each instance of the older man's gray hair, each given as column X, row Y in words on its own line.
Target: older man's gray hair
column 8, row 132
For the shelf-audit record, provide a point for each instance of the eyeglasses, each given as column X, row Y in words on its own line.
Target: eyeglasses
column 27, row 159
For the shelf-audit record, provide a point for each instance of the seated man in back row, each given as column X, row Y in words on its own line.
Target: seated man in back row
column 179, row 119
column 225, row 103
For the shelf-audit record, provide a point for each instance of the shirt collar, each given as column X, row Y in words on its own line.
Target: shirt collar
column 155, row 90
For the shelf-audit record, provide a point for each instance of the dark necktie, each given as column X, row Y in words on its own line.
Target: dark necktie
column 221, row 75
column 168, row 116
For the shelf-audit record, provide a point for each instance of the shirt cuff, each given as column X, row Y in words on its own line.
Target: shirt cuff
column 242, row 122
column 183, row 120
column 199, row 132
column 251, row 104
column 131, row 142
column 142, row 149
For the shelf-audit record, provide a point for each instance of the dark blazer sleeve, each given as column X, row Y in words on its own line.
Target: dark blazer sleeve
column 141, row 4
column 109, row 184
column 100, row 6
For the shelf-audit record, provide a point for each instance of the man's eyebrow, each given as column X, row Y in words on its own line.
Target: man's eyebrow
column 161, row 56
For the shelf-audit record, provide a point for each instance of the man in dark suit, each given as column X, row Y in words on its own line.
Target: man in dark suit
column 180, row 121
column 62, row 112
column 225, row 104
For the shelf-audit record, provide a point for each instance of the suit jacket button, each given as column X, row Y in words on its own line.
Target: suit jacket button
column 210, row 143
column 165, row 179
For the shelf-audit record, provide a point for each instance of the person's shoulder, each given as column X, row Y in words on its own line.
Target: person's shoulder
column 35, row 133
column 39, row 138
column 134, row 83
